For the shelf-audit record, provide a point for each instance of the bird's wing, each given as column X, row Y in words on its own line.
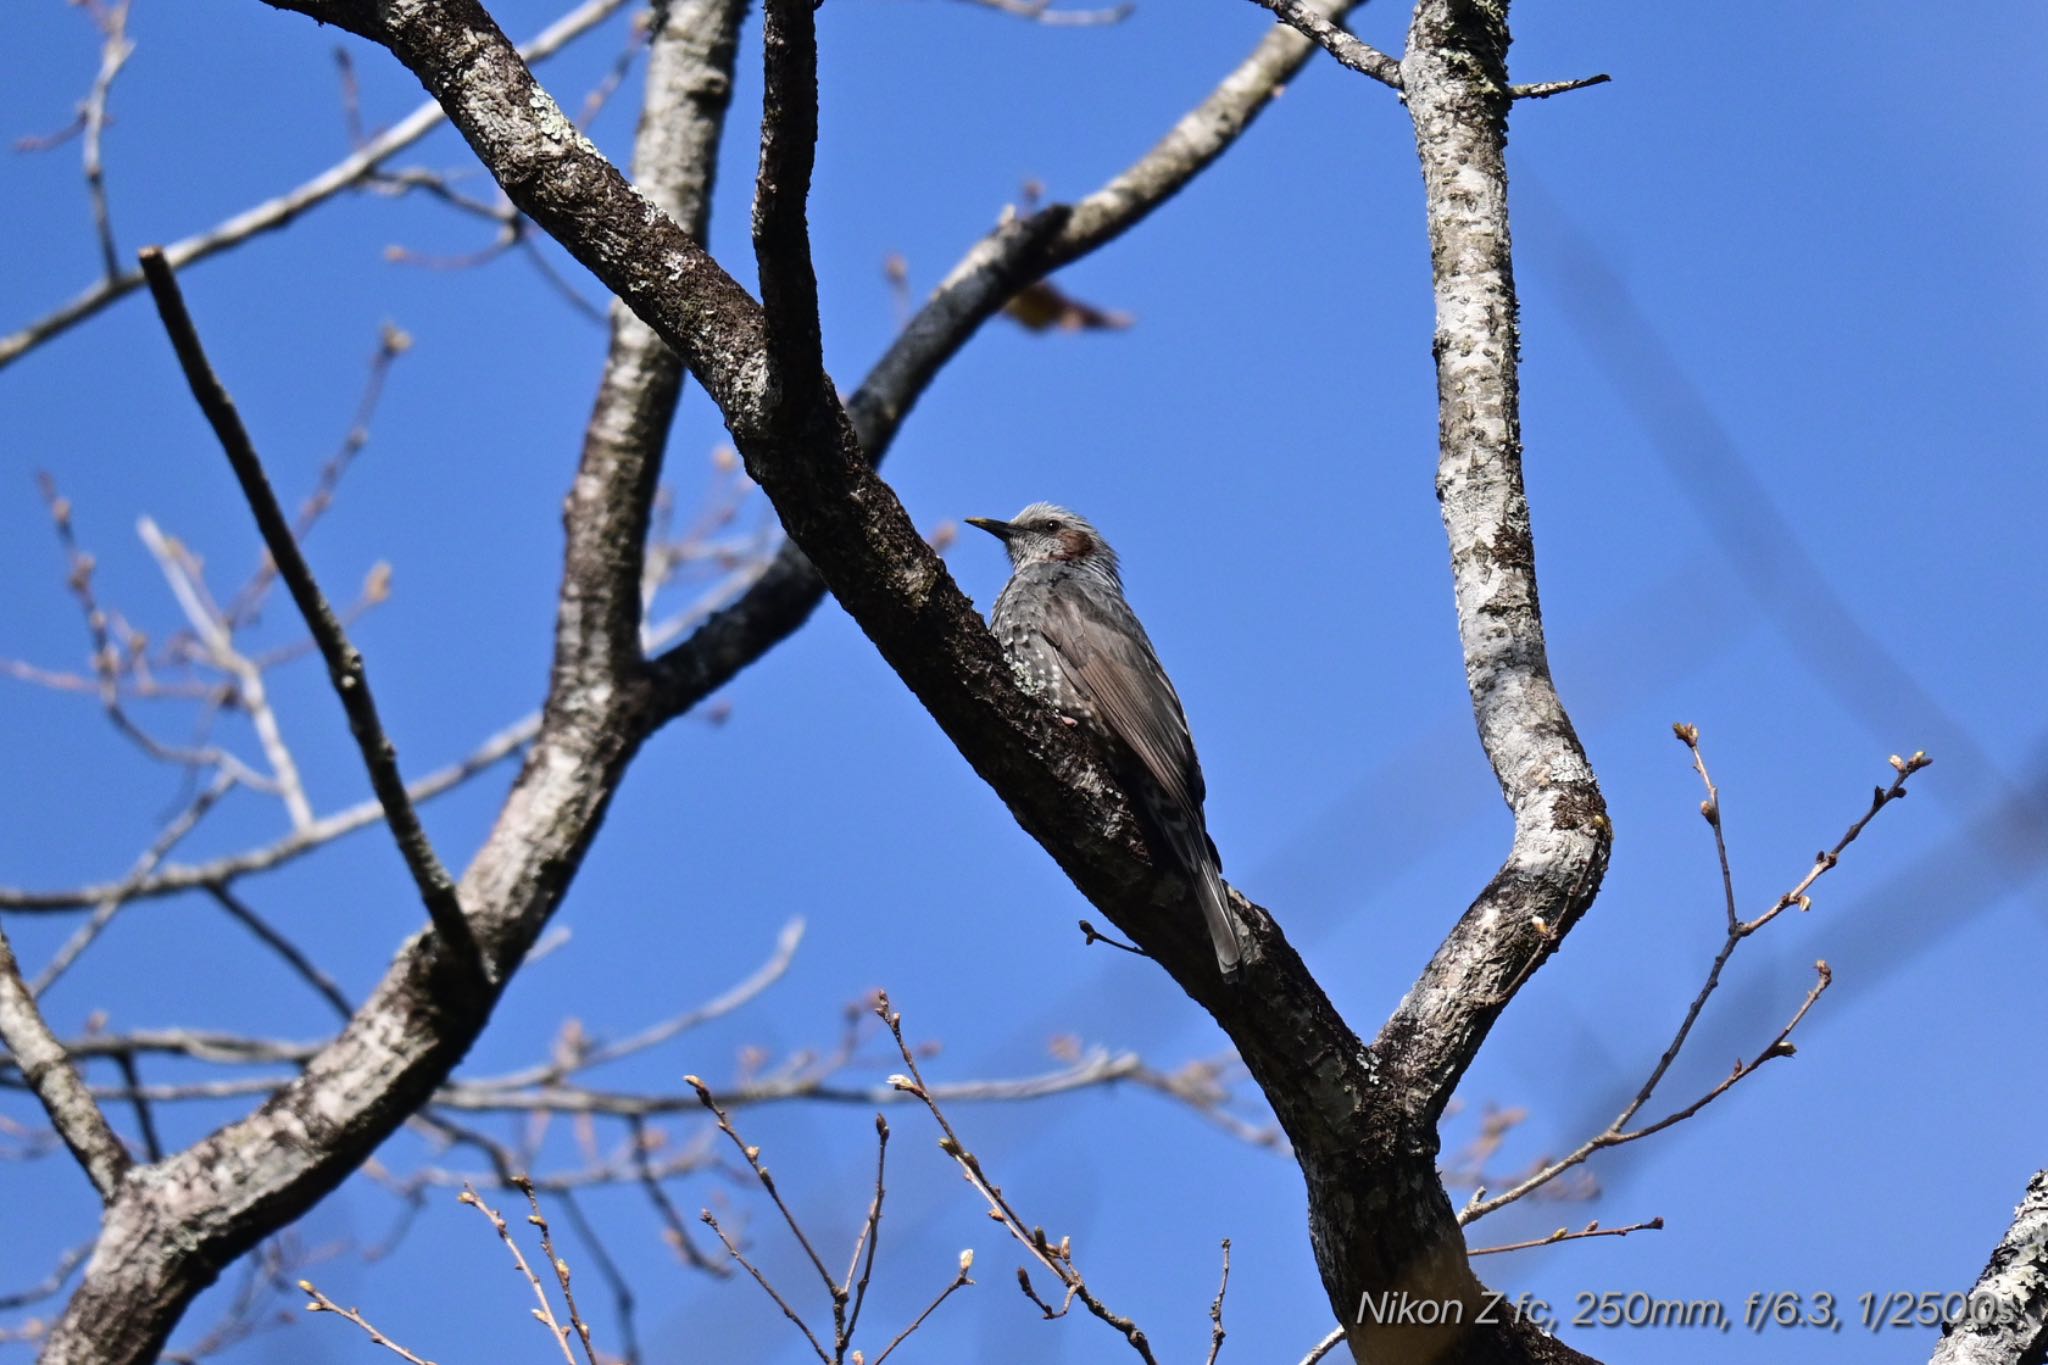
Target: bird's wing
column 1108, row 659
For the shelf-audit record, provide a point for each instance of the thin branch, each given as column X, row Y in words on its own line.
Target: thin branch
column 210, row 625
column 1216, row 1332
column 108, row 663
column 1090, row 934
column 351, row 171
column 753, row 1159
column 561, row 1268
column 782, row 242
column 306, row 969
column 1058, row 1259
column 48, row 1071
column 344, row 664
column 650, row 1180
column 622, row 1292
column 869, row 1240
column 145, row 1115
column 1571, row 1235
column 51, row 1283
column 1739, row 929
column 545, row 1314
column 1324, row 1347
column 114, row 55
column 732, row 1250
column 180, row 878
column 1543, row 90
column 392, row 342
column 1361, row 57
column 322, row 1304
column 119, row 895
column 960, row 1281
column 1617, row 1133
column 742, row 993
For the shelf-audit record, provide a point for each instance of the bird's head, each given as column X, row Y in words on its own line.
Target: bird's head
column 1043, row 533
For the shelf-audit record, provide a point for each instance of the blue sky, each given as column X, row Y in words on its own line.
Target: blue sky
column 1781, row 289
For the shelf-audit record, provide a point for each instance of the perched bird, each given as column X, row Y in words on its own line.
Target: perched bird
column 1075, row 643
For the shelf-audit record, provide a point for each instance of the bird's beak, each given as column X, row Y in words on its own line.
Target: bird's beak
column 999, row 529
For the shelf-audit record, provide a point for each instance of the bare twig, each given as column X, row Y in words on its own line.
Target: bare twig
column 650, row 1181
column 119, row 895
column 145, row 1115
column 732, row 1250
column 560, row 1266
column 622, row 1292
column 344, row 664
column 307, row 970
column 1360, row 56
column 870, row 1240
column 1571, row 1235
column 392, row 342
column 1216, row 1332
column 57, row 1084
column 1057, row 1258
column 1324, row 1347
column 960, row 1281
column 1543, row 90
column 764, row 976
column 1739, row 929
column 180, row 878
column 108, row 663
column 761, row 1173
column 322, row 1304
column 50, row 1284
column 545, row 1313
column 210, row 626
column 348, row 173
column 114, row 54
column 1090, row 934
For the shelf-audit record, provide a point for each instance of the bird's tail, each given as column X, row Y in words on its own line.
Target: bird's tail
column 1186, row 847
column 1209, row 890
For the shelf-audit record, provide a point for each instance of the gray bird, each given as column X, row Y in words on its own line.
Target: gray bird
column 1075, row 643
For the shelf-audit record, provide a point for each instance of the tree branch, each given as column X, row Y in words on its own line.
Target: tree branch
column 1350, row 51
column 2006, row 1320
column 348, row 173
column 344, row 664
column 48, row 1071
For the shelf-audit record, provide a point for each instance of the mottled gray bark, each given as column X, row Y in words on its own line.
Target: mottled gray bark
column 2007, row 1318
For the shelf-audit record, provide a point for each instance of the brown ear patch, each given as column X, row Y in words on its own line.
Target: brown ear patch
column 1074, row 544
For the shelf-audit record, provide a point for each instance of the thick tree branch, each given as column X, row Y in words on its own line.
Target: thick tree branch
column 344, row 664
column 782, row 234
column 48, row 1071
column 1454, row 75
column 2006, row 1319
column 675, row 162
column 1456, row 84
